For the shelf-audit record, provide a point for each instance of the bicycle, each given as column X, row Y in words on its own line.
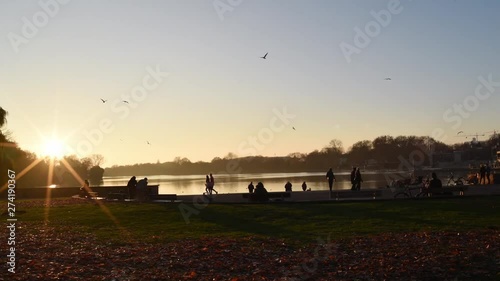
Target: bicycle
column 409, row 192
column 457, row 182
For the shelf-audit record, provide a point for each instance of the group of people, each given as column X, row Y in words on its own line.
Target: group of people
column 484, row 173
column 356, row 178
column 209, row 185
column 138, row 189
column 258, row 193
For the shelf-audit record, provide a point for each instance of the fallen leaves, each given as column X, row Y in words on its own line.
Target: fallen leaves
column 60, row 253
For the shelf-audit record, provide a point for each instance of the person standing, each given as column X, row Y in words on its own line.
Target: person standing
column 304, row 186
column 142, row 190
column 357, row 179
column 132, row 187
column 353, row 176
column 331, row 178
column 250, row 187
column 482, row 174
column 488, row 172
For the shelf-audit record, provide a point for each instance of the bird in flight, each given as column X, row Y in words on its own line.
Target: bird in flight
column 148, row 142
column 293, row 128
column 460, row 132
column 125, row 101
column 104, row 101
column 264, row 57
column 388, row 79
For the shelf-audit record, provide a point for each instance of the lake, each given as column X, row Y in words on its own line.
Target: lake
column 238, row 183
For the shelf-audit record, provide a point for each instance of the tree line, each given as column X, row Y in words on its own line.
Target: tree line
column 384, row 152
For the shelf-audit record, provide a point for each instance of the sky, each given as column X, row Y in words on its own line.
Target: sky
column 195, row 84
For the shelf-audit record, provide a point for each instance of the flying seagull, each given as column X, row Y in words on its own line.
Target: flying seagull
column 388, row 79
column 264, row 57
column 125, row 101
column 460, row 132
column 104, row 101
column 293, row 128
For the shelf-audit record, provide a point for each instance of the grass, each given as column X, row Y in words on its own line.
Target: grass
column 299, row 222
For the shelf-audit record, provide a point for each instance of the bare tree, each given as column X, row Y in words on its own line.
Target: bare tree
column 96, row 159
column 181, row 160
column 230, row 156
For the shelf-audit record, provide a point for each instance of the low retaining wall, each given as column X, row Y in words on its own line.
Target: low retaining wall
column 68, row 191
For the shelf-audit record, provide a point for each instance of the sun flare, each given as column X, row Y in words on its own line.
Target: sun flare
column 53, row 148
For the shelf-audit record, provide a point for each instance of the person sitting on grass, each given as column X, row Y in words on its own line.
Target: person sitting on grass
column 84, row 190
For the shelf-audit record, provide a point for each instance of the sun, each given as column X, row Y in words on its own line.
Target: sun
column 53, row 148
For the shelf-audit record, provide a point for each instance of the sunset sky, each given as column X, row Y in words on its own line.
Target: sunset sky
column 196, row 86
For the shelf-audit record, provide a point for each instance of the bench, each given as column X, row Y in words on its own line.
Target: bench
column 270, row 195
column 116, row 196
column 164, row 197
column 448, row 190
column 342, row 194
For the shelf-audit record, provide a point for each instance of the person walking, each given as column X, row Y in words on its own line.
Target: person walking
column 353, row 176
column 208, row 189
column 331, row 178
column 357, row 179
column 212, row 184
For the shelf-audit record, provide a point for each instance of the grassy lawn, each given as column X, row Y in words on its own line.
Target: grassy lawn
column 298, row 222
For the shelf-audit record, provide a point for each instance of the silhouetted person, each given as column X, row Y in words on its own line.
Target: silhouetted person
column 482, row 174
column 260, row 193
column 84, row 190
column 435, row 182
column 208, row 188
column 132, row 187
column 288, row 186
column 488, row 172
column 353, row 176
column 331, row 178
column 212, row 184
column 142, row 189
column 357, row 179
column 250, row 187
column 304, row 186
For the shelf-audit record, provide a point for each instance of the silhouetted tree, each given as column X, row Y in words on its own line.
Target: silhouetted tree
column 230, row 156
column 96, row 159
column 95, row 175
